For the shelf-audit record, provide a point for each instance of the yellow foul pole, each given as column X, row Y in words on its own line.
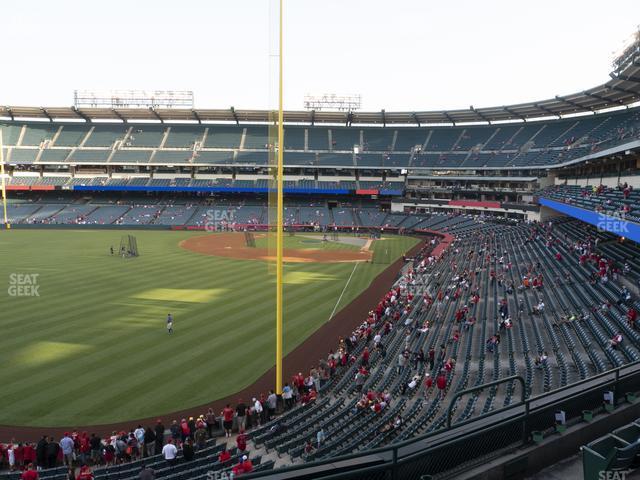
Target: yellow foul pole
column 279, row 236
column 4, row 187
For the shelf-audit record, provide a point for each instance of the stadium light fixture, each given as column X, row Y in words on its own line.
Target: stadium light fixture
column 333, row 101
column 133, row 99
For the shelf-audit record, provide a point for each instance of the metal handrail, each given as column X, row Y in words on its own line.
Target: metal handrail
column 390, row 454
column 482, row 387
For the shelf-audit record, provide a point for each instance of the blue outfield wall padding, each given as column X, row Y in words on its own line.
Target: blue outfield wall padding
column 616, row 225
column 138, row 188
column 390, row 192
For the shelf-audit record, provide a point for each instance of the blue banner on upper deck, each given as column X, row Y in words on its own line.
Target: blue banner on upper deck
column 617, row 225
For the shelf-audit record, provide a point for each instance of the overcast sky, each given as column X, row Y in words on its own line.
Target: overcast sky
column 399, row 55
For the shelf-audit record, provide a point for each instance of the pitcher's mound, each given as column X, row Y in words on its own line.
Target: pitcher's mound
column 232, row 245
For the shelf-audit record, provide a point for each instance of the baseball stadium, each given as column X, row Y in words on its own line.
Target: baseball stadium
column 327, row 292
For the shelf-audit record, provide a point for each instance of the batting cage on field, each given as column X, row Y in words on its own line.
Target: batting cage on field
column 129, row 246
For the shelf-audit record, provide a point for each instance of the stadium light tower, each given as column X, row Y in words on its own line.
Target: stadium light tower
column 133, row 98
column 332, row 101
column 628, row 54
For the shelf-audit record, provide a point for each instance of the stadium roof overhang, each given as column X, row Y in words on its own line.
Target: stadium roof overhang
column 623, row 89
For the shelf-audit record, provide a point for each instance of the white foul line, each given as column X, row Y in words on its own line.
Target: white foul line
column 343, row 290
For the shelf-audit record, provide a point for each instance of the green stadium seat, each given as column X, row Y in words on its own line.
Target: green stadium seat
column 335, row 159
column 214, row 157
column 408, row 138
column 145, row 136
column 54, row 155
column 90, row 156
column 183, row 136
column 71, row 135
column 258, row 158
column 294, row 138
column 23, row 155
column 137, row 156
column 223, row 137
column 105, row 135
column 35, row 134
column 318, row 138
column 163, row 156
column 10, row 133
column 344, row 138
column 256, row 138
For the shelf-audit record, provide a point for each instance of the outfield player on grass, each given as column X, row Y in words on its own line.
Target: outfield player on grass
column 169, row 323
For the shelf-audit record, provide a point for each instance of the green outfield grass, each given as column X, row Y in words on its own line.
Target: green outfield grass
column 92, row 348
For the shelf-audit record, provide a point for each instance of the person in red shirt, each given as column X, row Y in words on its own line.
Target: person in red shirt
column 84, row 447
column 308, row 448
column 29, row 454
column 441, row 382
column 227, row 420
column 247, row 466
column 244, row 466
column 632, row 315
column 298, row 381
column 184, row 429
column 85, row 473
column 224, row 456
column 332, row 366
column 312, row 396
column 241, row 441
column 368, row 332
column 19, row 455
column 30, row 473
column 365, row 357
column 428, row 383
